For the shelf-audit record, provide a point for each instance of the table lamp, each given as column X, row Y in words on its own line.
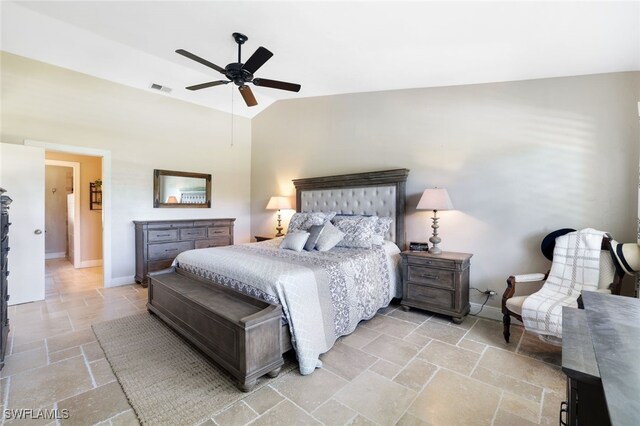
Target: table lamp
column 279, row 203
column 435, row 199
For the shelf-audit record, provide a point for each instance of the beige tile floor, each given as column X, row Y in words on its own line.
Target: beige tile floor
column 406, row 368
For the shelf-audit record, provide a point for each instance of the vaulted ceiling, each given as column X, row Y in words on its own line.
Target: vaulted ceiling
column 328, row 47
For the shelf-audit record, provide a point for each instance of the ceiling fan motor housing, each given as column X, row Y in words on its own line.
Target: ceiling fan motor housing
column 237, row 74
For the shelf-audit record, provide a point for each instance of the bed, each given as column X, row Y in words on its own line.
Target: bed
column 323, row 295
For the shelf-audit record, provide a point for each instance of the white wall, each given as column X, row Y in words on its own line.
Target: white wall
column 143, row 131
column 519, row 160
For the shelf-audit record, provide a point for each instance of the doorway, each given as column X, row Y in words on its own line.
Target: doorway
column 103, row 216
column 73, row 221
column 62, row 211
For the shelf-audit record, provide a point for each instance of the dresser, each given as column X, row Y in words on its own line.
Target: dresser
column 436, row 283
column 4, row 272
column 158, row 242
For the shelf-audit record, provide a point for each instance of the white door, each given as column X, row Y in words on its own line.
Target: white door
column 22, row 176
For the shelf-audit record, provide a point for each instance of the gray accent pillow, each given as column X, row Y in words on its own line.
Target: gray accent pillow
column 303, row 221
column 359, row 230
column 329, row 237
column 314, row 233
column 295, row 240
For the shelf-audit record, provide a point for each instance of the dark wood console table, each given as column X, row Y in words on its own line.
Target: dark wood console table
column 600, row 356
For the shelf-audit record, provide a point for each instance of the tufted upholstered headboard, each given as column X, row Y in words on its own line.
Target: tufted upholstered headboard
column 373, row 193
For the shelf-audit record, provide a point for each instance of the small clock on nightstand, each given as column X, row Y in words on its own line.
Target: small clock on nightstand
column 263, row 237
column 436, row 282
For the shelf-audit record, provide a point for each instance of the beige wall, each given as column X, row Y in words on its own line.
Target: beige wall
column 90, row 220
column 55, row 210
column 143, row 131
column 519, row 160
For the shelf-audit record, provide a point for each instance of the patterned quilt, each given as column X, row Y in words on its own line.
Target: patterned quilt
column 324, row 295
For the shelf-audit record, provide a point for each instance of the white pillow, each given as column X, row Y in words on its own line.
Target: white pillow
column 295, row 240
column 381, row 229
column 329, row 237
column 359, row 230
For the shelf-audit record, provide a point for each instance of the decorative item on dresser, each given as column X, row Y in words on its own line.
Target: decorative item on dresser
column 435, row 199
column 4, row 272
column 263, row 237
column 279, row 203
column 436, row 283
column 158, row 242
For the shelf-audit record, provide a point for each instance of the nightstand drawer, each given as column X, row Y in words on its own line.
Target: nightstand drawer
column 168, row 250
column 436, row 277
column 432, row 263
column 430, row 296
column 156, row 236
column 193, row 233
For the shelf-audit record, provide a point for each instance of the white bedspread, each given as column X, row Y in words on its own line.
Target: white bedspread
column 324, row 295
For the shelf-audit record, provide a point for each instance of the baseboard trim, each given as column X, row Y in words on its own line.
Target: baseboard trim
column 118, row 281
column 90, row 263
column 58, row 255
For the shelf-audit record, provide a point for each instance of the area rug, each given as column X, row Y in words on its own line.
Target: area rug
column 166, row 379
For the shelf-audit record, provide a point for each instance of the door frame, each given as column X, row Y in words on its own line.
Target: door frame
column 76, row 203
column 106, row 194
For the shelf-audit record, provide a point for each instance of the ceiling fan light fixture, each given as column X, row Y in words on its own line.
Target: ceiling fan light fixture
column 240, row 73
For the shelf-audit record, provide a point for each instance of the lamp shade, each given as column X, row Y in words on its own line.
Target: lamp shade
column 172, row 199
column 435, row 199
column 279, row 203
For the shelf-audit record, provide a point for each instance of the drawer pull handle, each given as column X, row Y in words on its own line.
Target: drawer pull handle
column 163, row 235
column 173, row 249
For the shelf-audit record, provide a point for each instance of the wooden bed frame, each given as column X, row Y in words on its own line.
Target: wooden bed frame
column 243, row 334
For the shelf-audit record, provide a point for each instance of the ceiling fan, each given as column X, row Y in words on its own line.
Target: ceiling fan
column 241, row 74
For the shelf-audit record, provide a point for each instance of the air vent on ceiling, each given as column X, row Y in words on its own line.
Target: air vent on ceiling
column 161, row 88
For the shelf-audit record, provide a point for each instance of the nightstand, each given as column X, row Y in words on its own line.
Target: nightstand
column 436, row 283
column 263, row 237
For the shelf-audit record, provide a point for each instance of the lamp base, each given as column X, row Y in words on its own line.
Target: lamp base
column 435, row 250
column 435, row 240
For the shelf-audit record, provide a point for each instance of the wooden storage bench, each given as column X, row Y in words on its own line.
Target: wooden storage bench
column 240, row 333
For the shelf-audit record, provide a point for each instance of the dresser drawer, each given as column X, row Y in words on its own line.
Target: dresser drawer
column 193, row 233
column 212, row 242
column 430, row 262
column 168, row 250
column 162, row 225
column 159, row 265
column 219, row 231
column 436, row 277
column 435, row 297
column 157, row 235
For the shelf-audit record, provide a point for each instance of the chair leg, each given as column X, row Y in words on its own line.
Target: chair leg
column 506, row 322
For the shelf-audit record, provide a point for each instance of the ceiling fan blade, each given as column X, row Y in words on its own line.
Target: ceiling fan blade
column 199, row 59
column 247, row 94
column 257, row 60
column 209, row 84
column 275, row 84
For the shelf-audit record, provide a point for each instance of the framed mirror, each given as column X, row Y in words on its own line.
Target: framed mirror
column 173, row 189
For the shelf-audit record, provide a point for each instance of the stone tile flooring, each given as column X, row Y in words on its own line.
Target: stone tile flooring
column 405, row 368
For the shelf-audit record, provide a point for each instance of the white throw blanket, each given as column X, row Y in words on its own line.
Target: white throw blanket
column 575, row 267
